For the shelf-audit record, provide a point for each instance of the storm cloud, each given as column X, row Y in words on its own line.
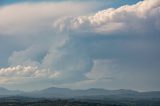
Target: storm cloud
column 80, row 48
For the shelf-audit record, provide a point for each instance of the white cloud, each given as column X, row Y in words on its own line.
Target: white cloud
column 21, row 74
column 31, row 25
column 28, row 18
column 77, row 59
column 141, row 17
column 28, row 56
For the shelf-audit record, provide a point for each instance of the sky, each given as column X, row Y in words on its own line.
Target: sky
column 80, row 44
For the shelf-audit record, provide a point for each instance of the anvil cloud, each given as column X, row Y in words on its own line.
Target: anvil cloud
column 78, row 45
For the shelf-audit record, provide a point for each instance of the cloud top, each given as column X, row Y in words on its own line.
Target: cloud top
column 140, row 17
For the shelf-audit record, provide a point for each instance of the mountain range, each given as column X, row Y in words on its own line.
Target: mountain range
column 55, row 92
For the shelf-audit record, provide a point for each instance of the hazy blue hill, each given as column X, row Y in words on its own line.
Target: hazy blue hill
column 95, row 93
column 91, row 97
column 6, row 92
column 152, row 94
column 65, row 92
column 54, row 92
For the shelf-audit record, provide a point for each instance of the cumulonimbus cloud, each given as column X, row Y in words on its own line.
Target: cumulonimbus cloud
column 141, row 17
column 140, row 20
column 31, row 23
column 77, row 58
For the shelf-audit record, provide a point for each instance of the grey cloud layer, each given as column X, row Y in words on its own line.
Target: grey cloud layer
column 129, row 35
column 88, row 51
column 35, row 41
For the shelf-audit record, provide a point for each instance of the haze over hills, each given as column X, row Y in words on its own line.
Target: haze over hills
column 6, row 92
column 55, row 92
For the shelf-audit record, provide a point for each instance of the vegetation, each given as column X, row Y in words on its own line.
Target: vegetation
column 21, row 101
column 55, row 103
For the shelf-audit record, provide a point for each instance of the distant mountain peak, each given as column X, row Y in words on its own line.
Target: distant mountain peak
column 55, row 92
column 3, row 90
column 96, row 89
column 55, row 88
